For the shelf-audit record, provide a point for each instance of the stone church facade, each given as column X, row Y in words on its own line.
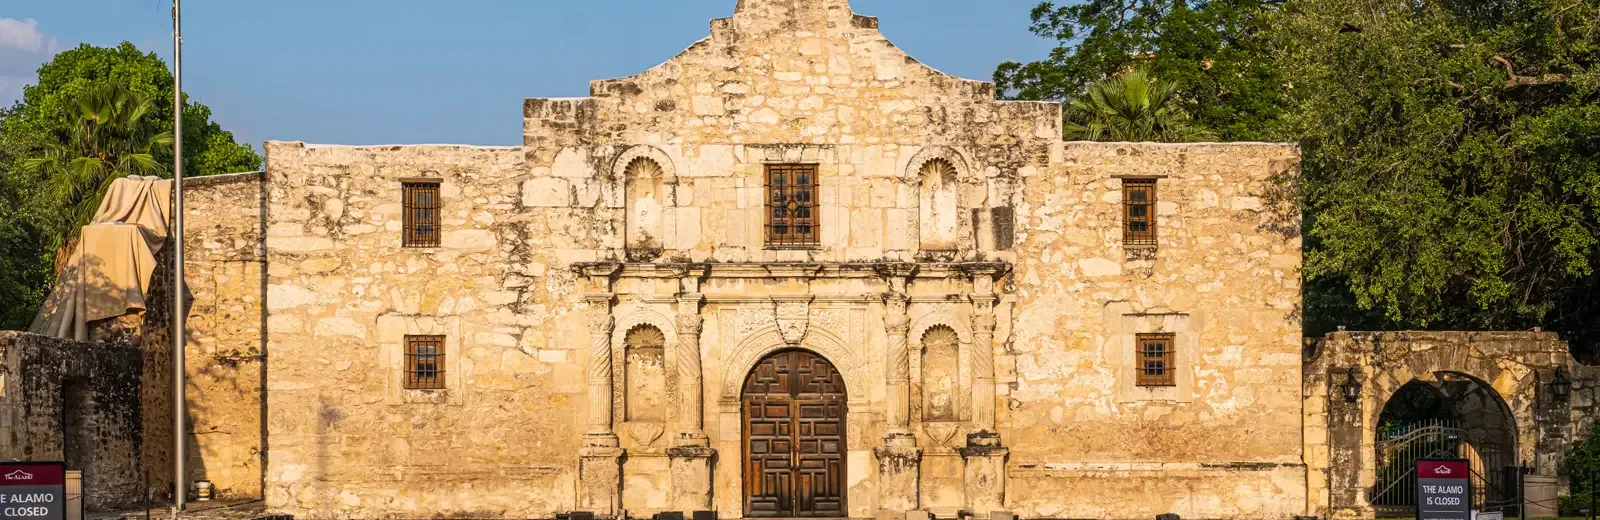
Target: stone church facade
column 789, row 272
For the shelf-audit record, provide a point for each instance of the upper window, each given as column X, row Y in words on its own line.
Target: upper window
column 1139, row 212
column 421, row 213
column 792, row 206
column 424, row 362
column 1155, row 359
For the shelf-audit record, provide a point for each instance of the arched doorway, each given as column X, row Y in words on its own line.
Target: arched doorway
column 794, row 405
column 1450, row 415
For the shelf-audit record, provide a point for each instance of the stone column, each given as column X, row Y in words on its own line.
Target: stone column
column 984, row 455
column 899, row 459
column 897, row 370
column 983, row 325
column 599, row 467
column 691, row 454
column 1346, row 430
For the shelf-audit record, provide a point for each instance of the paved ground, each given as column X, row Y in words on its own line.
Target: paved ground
column 211, row 510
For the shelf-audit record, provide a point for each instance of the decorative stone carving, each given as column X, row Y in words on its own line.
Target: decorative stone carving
column 897, row 368
column 691, row 381
column 600, row 384
column 941, row 432
column 645, row 433
column 792, row 317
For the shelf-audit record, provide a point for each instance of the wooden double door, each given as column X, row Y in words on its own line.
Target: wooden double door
column 794, row 438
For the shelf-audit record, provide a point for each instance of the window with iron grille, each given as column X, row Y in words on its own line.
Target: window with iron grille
column 420, row 201
column 1155, row 360
column 792, row 206
column 424, row 362
column 1139, row 212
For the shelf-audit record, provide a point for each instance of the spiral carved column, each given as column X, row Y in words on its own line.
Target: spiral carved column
column 600, row 459
column 899, row 459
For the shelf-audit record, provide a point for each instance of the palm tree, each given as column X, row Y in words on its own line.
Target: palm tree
column 111, row 136
column 1132, row 106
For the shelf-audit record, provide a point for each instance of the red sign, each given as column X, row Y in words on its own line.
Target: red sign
column 1442, row 469
column 25, row 474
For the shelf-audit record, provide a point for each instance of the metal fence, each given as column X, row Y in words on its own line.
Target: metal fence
column 1494, row 471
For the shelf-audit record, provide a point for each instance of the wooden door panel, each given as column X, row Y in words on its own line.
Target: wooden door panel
column 794, row 411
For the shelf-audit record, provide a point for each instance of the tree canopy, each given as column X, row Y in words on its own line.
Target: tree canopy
column 1451, row 148
column 46, row 106
column 1214, row 52
column 74, row 130
column 1130, row 107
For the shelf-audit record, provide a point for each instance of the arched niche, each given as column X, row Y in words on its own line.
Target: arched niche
column 943, row 220
column 647, row 177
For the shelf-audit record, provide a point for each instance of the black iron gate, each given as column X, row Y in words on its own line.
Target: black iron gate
column 1494, row 468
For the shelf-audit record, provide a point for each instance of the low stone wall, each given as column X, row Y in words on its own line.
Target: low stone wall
column 78, row 402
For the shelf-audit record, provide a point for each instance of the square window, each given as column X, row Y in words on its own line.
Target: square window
column 1154, row 360
column 792, row 206
column 1138, row 215
column 420, row 201
column 424, row 363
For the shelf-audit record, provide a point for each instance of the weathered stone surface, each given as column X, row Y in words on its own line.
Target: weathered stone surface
column 941, row 209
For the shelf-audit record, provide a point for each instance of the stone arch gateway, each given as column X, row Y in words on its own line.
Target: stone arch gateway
column 1350, row 377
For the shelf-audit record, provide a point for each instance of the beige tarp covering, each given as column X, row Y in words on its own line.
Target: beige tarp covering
column 109, row 272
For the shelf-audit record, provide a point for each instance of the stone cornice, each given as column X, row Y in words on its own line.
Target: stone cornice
column 808, row 270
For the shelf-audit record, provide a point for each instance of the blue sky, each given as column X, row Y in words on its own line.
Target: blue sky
column 452, row 71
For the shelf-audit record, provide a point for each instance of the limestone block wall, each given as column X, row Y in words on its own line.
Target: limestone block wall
column 345, row 438
column 225, row 217
column 78, row 402
column 1225, row 440
column 786, row 82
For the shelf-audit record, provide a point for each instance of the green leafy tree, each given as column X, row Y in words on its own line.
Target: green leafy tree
column 1451, row 161
column 109, row 138
column 1581, row 468
column 26, row 272
column 33, row 214
column 47, row 106
column 1216, row 53
column 1130, row 107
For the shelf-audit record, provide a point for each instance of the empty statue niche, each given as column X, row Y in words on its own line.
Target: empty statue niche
column 939, row 214
column 646, row 209
column 646, row 374
column 940, row 374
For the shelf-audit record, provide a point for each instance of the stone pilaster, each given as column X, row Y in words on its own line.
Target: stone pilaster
column 897, row 368
column 600, row 459
column 983, row 325
column 691, row 477
column 899, row 478
column 691, row 383
column 599, row 380
column 899, row 459
column 985, row 477
column 692, row 454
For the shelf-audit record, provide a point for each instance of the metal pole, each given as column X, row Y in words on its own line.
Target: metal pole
column 179, row 313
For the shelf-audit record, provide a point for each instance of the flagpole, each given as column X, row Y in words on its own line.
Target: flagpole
column 179, row 312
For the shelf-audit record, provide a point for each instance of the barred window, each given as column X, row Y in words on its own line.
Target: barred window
column 1139, row 212
column 420, row 201
column 1155, row 360
column 424, row 362
column 792, row 206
